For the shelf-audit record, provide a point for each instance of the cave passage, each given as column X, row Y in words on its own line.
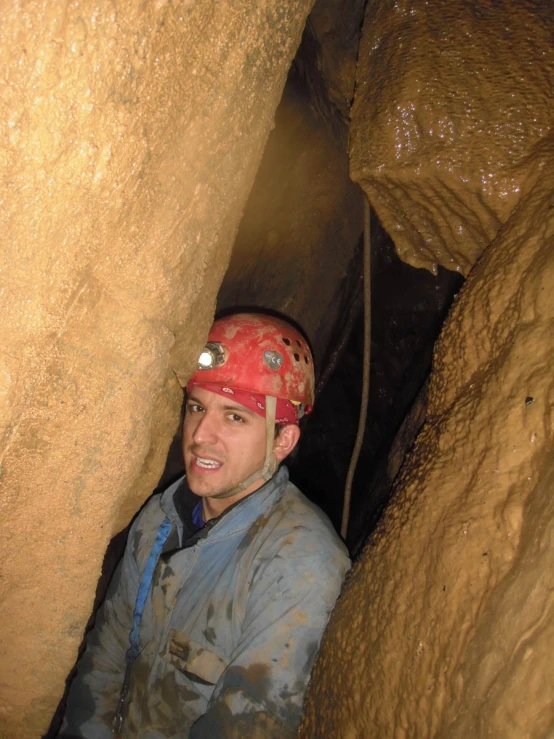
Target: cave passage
column 408, row 308
column 299, row 251
column 164, row 161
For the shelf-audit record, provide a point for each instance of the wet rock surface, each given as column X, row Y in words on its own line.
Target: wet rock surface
column 443, row 626
column 451, row 120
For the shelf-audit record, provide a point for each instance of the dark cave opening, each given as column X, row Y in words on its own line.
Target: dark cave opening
column 409, row 307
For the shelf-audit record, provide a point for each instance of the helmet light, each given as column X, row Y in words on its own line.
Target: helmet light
column 213, row 355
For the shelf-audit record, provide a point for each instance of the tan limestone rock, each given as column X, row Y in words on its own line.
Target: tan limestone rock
column 445, row 626
column 132, row 133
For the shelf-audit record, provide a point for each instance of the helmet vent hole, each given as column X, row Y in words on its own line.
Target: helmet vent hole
column 297, row 357
column 298, row 342
column 306, row 360
column 286, row 341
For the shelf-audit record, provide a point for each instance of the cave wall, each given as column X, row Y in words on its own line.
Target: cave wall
column 445, row 627
column 132, row 136
column 452, row 110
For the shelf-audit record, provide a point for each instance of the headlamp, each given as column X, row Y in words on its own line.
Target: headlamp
column 213, row 355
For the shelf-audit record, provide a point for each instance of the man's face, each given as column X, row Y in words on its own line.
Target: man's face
column 223, row 443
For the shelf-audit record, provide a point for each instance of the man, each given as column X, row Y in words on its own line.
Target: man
column 213, row 618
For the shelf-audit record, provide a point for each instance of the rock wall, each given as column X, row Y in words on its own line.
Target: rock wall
column 132, row 136
column 452, row 108
column 446, row 624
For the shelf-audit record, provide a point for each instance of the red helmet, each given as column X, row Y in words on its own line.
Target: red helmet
column 260, row 353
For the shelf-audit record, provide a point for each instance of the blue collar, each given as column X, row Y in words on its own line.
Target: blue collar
column 197, row 518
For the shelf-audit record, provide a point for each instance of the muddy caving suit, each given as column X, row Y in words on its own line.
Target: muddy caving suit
column 230, row 626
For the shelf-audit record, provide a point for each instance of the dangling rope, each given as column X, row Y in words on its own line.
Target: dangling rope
column 365, row 377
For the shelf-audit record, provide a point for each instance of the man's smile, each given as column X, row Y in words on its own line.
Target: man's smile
column 207, row 464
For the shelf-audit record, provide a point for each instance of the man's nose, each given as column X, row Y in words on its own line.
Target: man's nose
column 207, row 430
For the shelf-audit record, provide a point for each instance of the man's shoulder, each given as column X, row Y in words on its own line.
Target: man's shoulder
column 296, row 543
column 296, row 505
column 306, row 524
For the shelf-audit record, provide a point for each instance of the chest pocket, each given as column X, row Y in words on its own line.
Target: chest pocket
column 198, row 663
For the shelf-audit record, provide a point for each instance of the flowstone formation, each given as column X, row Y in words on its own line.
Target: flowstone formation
column 446, row 624
column 453, row 104
column 132, row 136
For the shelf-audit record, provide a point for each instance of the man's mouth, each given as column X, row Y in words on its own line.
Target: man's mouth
column 207, row 464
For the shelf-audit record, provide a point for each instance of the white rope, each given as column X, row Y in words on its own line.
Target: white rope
column 365, row 378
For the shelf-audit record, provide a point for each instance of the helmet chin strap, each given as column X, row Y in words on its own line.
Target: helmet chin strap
column 270, row 462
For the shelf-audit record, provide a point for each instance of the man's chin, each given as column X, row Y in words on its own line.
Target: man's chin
column 201, row 488
column 201, row 484
column 205, row 488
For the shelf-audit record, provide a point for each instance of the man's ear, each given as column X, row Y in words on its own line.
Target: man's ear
column 286, row 440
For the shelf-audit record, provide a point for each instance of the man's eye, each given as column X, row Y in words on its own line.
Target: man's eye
column 194, row 408
column 236, row 418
